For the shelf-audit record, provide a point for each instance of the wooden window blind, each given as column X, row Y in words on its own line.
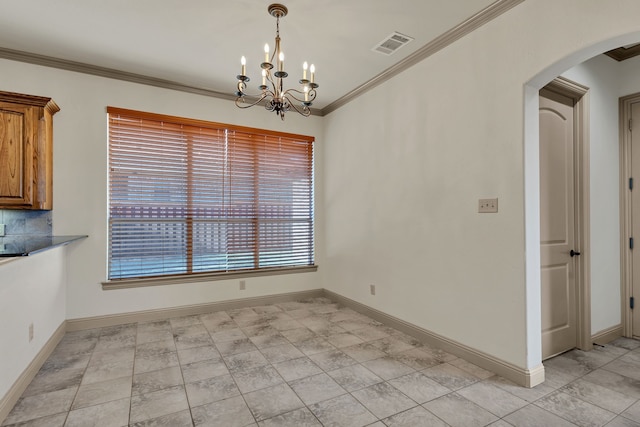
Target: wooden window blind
column 189, row 196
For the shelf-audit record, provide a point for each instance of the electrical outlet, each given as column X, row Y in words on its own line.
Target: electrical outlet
column 1, row 230
column 30, row 332
column 243, row 285
column 372, row 289
column 488, row 205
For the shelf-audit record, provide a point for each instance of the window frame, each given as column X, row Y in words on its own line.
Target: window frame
column 189, row 275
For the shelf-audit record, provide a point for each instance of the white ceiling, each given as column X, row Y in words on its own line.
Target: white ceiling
column 199, row 43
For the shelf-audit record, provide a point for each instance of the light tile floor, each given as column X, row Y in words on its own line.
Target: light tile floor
column 309, row 363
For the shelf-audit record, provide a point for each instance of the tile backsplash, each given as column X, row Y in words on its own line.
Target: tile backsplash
column 24, row 222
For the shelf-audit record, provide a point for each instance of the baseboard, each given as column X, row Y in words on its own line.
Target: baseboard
column 187, row 310
column 523, row 377
column 607, row 335
column 534, row 376
column 11, row 397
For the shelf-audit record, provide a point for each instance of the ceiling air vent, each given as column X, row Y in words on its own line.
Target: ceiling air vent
column 392, row 43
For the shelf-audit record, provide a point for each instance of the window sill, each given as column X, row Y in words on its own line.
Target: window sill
column 202, row 277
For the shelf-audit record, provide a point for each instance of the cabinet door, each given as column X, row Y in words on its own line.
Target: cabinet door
column 17, row 139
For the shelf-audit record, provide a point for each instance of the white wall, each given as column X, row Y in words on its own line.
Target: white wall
column 80, row 183
column 38, row 298
column 629, row 77
column 432, row 141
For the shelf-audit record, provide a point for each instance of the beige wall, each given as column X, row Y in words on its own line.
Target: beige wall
column 432, row 141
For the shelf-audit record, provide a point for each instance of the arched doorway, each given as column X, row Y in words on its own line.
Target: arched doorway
column 532, row 190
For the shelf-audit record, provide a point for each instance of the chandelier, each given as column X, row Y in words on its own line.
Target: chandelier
column 275, row 97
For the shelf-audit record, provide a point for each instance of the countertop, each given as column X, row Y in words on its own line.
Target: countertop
column 16, row 246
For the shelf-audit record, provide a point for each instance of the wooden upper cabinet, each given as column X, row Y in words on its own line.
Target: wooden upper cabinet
column 26, row 151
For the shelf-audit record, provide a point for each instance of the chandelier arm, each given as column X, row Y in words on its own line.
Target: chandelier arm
column 242, row 99
column 303, row 109
column 311, row 94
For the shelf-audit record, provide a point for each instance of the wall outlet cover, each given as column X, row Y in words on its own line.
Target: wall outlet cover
column 488, row 205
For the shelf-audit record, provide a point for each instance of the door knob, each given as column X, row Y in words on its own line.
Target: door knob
column 574, row 253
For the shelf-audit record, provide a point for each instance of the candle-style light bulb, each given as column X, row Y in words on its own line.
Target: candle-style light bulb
column 264, row 77
column 313, row 72
column 266, row 52
column 304, row 70
column 243, row 61
column 281, row 62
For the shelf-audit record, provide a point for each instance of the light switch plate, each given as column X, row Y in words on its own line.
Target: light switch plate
column 1, row 230
column 488, row 205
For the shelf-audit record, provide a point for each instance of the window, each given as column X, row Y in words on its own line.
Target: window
column 192, row 197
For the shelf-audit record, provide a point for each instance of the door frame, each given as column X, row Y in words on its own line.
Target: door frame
column 580, row 96
column 626, row 261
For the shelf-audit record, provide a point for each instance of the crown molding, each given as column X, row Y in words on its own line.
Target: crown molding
column 112, row 73
column 476, row 21
column 80, row 67
column 623, row 53
column 489, row 13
